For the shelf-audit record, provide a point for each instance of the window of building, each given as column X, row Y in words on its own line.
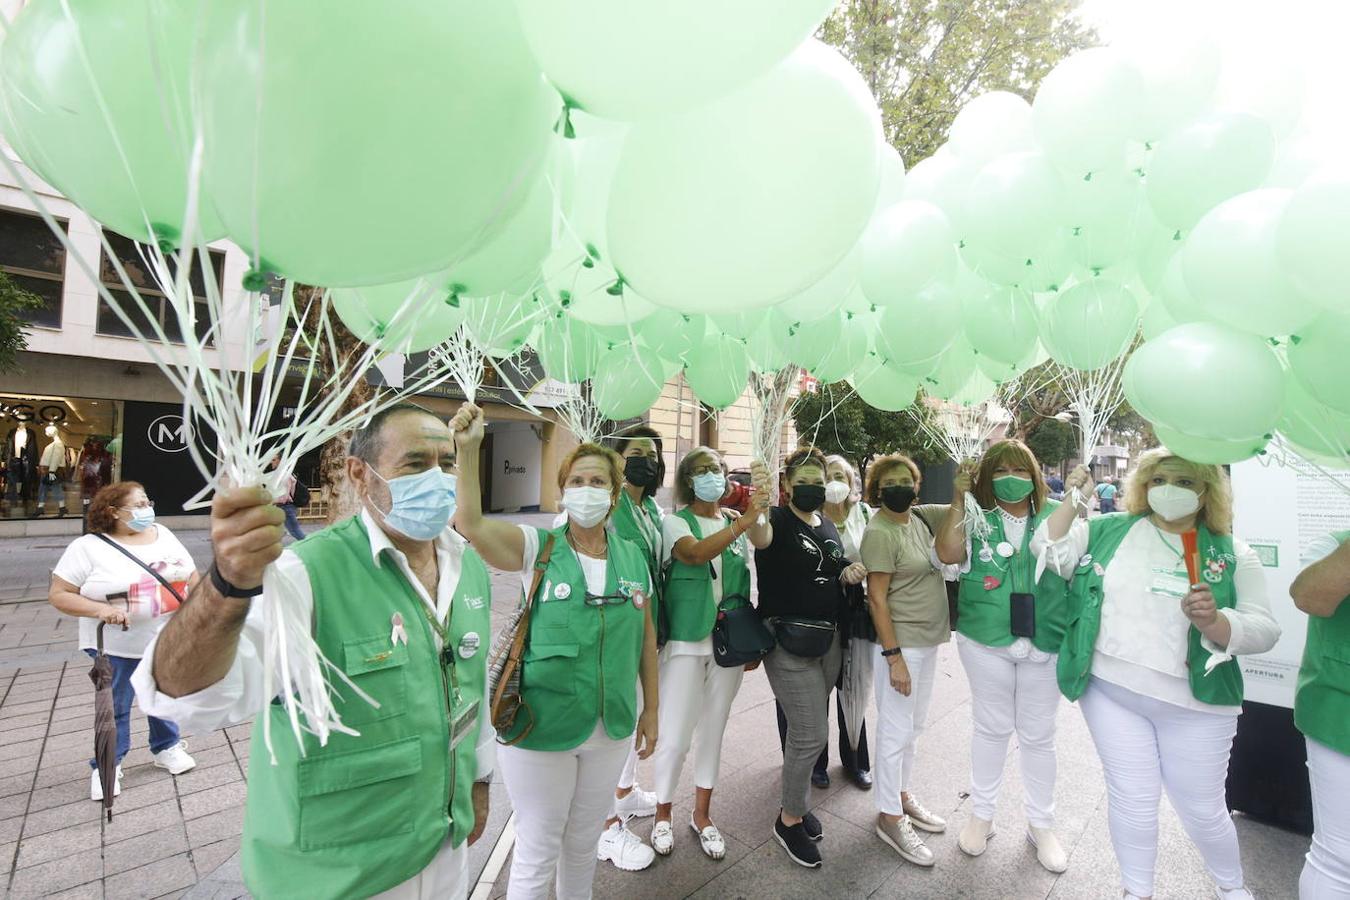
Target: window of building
column 139, row 274
column 35, row 260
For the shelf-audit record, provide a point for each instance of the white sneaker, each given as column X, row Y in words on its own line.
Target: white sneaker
column 638, row 804
column 663, row 838
column 625, row 849
column 96, row 787
column 975, row 836
column 1049, row 851
column 175, row 759
column 1235, row 894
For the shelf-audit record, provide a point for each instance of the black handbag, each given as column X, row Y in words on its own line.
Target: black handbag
column 807, row 638
column 739, row 636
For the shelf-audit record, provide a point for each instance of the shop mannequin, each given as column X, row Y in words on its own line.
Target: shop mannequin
column 52, row 473
column 21, row 453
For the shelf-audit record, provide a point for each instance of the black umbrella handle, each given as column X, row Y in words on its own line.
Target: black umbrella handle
column 100, row 637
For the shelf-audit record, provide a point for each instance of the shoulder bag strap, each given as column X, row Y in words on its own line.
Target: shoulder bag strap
column 140, row 562
column 540, row 564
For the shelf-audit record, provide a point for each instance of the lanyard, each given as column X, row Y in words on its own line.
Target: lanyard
column 447, row 651
column 1166, row 543
column 1021, row 557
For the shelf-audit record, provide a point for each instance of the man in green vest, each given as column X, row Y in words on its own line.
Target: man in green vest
column 400, row 604
column 1322, row 712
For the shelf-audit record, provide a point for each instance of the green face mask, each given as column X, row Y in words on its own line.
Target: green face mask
column 1011, row 488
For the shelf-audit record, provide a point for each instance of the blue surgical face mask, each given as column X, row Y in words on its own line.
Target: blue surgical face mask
column 142, row 517
column 710, row 486
column 423, row 504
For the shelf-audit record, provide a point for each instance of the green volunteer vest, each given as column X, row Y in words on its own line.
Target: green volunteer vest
column 1221, row 687
column 1322, row 703
column 646, row 537
column 985, row 614
column 581, row 661
column 363, row 814
column 688, row 593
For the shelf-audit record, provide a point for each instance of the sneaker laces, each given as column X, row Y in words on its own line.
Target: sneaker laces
column 908, row 838
column 918, row 810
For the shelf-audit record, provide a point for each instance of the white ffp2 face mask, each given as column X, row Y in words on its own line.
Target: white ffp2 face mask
column 586, row 506
column 837, row 492
column 1173, row 502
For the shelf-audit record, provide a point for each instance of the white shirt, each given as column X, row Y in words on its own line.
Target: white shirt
column 1142, row 643
column 673, row 529
column 239, row 695
column 851, row 532
column 54, row 456
column 103, row 574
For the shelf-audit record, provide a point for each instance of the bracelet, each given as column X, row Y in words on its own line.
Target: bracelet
column 228, row 590
column 894, row 651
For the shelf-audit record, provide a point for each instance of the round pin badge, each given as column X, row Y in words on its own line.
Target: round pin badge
column 562, row 591
column 468, row 645
column 1098, row 570
column 1005, row 549
column 986, row 555
column 639, row 599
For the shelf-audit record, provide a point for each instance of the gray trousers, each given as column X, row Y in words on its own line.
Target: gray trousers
column 802, row 687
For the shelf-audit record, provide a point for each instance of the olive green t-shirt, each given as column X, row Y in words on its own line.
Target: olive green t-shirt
column 917, row 595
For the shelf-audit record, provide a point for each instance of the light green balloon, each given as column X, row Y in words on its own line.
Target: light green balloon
column 626, row 384
column 1312, row 239
column 808, row 343
column 627, row 60
column 977, row 389
column 1231, row 269
column 767, row 345
column 1208, row 451
column 1208, row 381
column 883, row 387
column 1175, row 295
column 1320, row 360
column 1201, row 165
column 1087, row 108
column 842, row 358
column 742, row 324
column 671, row 334
column 1180, row 70
column 1156, row 319
column 718, row 370
column 1090, row 324
column 1001, row 373
column 129, row 168
column 736, row 204
column 502, row 324
column 1314, row 425
column 329, row 163
column 1107, row 218
column 921, row 326
column 942, row 180
column 407, row 317
column 906, row 248
column 953, row 372
column 990, row 125
column 1001, row 323
column 892, row 189
column 825, row 296
column 1014, row 203
column 568, row 349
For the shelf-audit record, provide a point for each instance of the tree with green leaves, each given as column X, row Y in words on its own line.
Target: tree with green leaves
column 1053, row 441
column 924, row 59
column 14, row 302
column 837, row 420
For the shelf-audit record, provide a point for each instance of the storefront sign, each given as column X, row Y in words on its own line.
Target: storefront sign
column 154, row 446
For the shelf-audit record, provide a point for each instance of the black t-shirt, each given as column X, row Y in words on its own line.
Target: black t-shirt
column 798, row 573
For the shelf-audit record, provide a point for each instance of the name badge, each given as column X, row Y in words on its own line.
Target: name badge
column 1169, row 584
column 463, row 722
column 1005, row 549
column 986, row 555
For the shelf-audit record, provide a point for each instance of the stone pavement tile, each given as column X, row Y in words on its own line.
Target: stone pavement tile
column 219, row 827
column 82, row 812
column 19, row 765
column 69, row 871
column 209, row 857
column 154, row 880
column 200, row 779
column 10, row 829
column 64, row 748
column 7, row 858
column 145, row 820
column 1272, row 858
column 92, row 890
column 33, row 677
column 28, row 733
column 145, row 849
column 23, row 707
column 16, row 784
column 206, row 741
column 28, row 720
column 83, row 722
column 58, row 844
column 219, row 798
column 13, row 806
column 748, row 801
column 13, row 750
column 77, row 707
column 146, row 794
column 852, row 868
column 208, row 757
column 61, row 794
column 240, row 733
column 59, row 773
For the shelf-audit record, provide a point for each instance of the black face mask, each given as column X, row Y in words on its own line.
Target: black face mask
column 639, row 471
column 808, row 497
column 898, row 498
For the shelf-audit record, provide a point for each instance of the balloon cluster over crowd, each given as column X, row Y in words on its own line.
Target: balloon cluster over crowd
column 632, row 189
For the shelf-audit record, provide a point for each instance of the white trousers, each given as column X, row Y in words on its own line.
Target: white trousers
column 446, row 877
column 900, row 721
column 1146, row 745
column 1326, row 875
column 561, row 799
column 696, row 698
column 628, row 777
column 1008, row 695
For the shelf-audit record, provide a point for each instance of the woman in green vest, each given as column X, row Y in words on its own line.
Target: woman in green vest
column 707, row 557
column 1149, row 652
column 590, row 640
column 1322, row 713
column 1009, row 628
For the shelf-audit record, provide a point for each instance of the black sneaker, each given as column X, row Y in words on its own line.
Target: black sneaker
column 799, row 846
column 814, row 830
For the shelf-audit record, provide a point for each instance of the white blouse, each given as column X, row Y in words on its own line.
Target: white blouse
column 1143, row 641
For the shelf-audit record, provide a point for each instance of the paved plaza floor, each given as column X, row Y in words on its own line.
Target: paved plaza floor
column 174, row 837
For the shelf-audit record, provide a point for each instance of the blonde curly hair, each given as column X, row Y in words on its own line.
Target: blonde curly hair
column 1217, row 512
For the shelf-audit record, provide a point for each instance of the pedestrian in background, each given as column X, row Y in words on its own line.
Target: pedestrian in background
column 294, row 495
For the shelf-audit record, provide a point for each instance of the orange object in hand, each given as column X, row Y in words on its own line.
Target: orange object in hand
column 1190, row 547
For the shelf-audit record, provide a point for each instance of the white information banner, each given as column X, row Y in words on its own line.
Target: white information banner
column 1279, row 509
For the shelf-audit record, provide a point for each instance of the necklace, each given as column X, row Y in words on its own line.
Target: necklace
column 602, row 553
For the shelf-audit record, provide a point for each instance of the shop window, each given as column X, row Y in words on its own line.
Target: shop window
column 140, row 275
column 55, row 453
column 35, row 259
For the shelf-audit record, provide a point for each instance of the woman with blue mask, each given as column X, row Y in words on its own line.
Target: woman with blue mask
column 706, row 570
column 590, row 641
column 108, row 577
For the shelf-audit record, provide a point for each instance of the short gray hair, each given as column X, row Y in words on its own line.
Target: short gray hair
column 367, row 442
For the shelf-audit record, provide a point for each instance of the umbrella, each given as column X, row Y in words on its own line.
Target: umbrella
column 855, row 674
column 105, row 723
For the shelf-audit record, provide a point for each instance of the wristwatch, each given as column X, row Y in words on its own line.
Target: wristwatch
column 228, row 590
column 894, row 651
